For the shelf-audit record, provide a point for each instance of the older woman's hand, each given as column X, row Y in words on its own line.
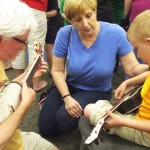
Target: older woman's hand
column 73, row 107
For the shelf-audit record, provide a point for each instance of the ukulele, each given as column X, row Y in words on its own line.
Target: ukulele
column 129, row 103
column 28, row 77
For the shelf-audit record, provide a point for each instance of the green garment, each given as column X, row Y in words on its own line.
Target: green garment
column 118, row 10
column 62, row 11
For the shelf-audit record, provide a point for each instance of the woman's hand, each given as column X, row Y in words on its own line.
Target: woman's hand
column 73, row 107
column 114, row 120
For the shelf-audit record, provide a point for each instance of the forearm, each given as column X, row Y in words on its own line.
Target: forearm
column 143, row 125
column 63, row 15
column 9, row 126
column 51, row 14
column 20, row 78
column 127, row 7
column 138, row 69
column 60, row 82
column 137, row 79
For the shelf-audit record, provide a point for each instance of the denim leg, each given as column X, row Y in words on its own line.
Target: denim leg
column 54, row 119
column 47, row 117
column 65, row 122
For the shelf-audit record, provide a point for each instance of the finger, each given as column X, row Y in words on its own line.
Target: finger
column 24, row 84
column 114, row 91
column 117, row 95
column 78, row 109
column 106, row 126
column 42, row 71
column 71, row 113
column 76, row 113
column 43, row 65
column 79, row 106
column 108, row 112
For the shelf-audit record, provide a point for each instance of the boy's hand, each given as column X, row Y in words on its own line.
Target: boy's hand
column 120, row 91
column 114, row 120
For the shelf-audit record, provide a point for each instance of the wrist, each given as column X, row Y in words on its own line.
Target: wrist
column 124, row 122
column 66, row 99
column 124, row 22
column 125, row 17
column 126, row 82
column 63, row 97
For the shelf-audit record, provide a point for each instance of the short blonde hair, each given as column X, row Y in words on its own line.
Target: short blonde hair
column 140, row 27
column 74, row 8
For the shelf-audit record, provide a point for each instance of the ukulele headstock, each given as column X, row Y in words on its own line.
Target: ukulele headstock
column 38, row 48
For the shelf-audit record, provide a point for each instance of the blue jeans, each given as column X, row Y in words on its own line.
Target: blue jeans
column 54, row 119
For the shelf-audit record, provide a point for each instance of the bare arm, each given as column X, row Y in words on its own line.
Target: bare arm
column 9, row 126
column 51, row 14
column 58, row 73
column 64, row 17
column 62, row 11
column 137, row 79
column 117, row 121
column 120, row 91
column 127, row 7
column 131, row 66
column 143, row 125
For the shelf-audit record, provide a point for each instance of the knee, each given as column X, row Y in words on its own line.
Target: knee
column 87, row 110
column 47, row 130
column 43, row 131
column 55, row 148
column 66, row 123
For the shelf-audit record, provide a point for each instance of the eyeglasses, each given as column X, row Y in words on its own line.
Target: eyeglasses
column 21, row 41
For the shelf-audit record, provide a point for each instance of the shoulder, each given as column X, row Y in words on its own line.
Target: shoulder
column 65, row 31
column 112, row 27
column 66, row 28
column 113, row 30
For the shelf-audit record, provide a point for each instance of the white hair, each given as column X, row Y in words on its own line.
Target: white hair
column 16, row 18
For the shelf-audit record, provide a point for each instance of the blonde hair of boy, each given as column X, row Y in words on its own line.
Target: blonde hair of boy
column 74, row 8
column 140, row 27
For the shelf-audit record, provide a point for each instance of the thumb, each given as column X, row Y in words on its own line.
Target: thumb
column 24, row 83
column 108, row 112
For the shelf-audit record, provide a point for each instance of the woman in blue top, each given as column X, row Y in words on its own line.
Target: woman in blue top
column 91, row 48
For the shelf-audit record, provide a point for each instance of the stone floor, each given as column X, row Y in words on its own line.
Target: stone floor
column 69, row 141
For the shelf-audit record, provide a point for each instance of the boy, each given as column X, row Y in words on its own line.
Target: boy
column 133, row 127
